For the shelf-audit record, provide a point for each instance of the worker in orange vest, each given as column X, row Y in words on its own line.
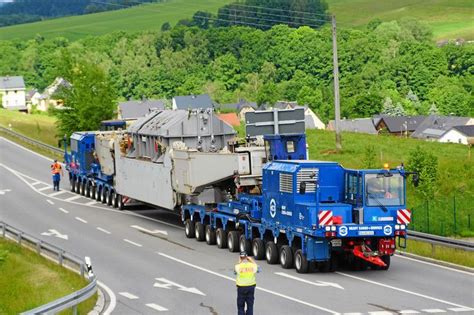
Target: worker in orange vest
column 57, row 172
column 245, row 271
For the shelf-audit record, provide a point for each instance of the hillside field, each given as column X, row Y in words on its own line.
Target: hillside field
column 449, row 19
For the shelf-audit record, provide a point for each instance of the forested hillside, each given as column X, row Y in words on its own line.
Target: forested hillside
column 392, row 64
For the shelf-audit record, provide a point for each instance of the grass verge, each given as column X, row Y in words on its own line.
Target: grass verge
column 439, row 252
column 29, row 280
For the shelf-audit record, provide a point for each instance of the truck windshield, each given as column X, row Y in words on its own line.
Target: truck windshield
column 382, row 190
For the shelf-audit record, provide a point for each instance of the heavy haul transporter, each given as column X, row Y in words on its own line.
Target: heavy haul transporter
column 261, row 197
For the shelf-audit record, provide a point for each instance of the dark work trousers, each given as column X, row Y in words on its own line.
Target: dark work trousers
column 245, row 295
column 56, row 179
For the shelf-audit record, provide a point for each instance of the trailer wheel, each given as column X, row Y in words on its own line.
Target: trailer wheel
column 271, row 253
column 233, row 241
column 105, row 193
column 92, row 192
column 221, row 238
column 245, row 245
column 258, row 249
column 88, row 189
column 286, row 257
column 119, row 202
column 111, row 198
column 301, row 263
column 189, row 228
column 98, row 193
column 72, row 183
column 83, row 189
column 210, row 235
column 78, row 186
column 115, row 200
column 386, row 260
column 200, row 234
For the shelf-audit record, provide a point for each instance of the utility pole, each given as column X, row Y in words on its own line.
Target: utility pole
column 337, row 118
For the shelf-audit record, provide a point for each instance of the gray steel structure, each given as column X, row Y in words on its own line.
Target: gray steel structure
column 275, row 121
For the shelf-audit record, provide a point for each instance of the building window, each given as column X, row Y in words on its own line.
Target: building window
column 459, row 140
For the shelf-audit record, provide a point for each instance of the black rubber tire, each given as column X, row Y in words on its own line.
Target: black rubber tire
column 301, row 263
column 88, row 189
column 189, row 229
column 120, row 204
column 78, row 187
column 199, row 231
column 115, row 200
column 271, row 253
column 245, row 245
column 286, row 257
column 98, row 194
column 386, row 259
column 111, row 198
column 105, row 193
column 83, row 189
column 221, row 238
column 233, row 241
column 72, row 184
column 258, row 248
column 92, row 192
column 210, row 235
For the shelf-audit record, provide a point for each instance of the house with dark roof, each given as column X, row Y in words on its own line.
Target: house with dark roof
column 134, row 109
column 240, row 108
column 192, row 102
column 459, row 134
column 13, row 93
column 398, row 125
column 435, row 126
column 359, row 125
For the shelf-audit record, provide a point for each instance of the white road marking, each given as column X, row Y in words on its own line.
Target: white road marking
column 157, row 307
column 90, row 203
column 461, row 309
column 55, row 233
column 434, row 310
column 381, row 313
column 409, row 312
column 103, row 230
column 81, row 220
column 63, row 210
column 317, row 283
column 258, row 288
column 44, row 188
column 399, row 289
column 148, row 231
column 3, row 191
column 128, row 295
column 113, row 298
column 73, row 198
column 58, row 193
column 50, row 202
column 167, row 284
column 133, row 243
column 352, row 314
column 435, row 265
column 36, row 183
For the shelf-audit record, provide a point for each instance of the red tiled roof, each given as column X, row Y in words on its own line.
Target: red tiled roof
column 230, row 118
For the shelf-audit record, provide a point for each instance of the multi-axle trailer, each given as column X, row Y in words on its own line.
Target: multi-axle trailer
column 263, row 197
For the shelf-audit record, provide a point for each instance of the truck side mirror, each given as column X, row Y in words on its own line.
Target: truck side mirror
column 416, row 179
column 302, row 188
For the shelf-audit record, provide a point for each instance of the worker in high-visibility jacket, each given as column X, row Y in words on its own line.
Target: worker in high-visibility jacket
column 245, row 271
column 57, row 172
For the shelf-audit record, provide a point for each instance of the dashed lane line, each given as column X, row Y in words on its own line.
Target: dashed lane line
column 133, row 243
column 103, row 230
column 400, row 290
column 461, row 309
column 81, row 220
column 433, row 311
column 50, row 202
column 157, row 307
column 129, row 296
column 258, row 288
column 380, row 313
column 63, row 210
column 409, row 312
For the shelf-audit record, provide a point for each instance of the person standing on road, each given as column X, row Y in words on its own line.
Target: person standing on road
column 245, row 280
column 57, row 172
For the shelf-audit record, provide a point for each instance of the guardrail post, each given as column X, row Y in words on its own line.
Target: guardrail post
column 19, row 238
column 60, row 258
column 74, row 310
column 82, row 270
column 38, row 247
column 4, row 229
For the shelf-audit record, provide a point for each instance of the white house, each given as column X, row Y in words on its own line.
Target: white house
column 48, row 98
column 459, row 134
column 13, row 93
column 311, row 120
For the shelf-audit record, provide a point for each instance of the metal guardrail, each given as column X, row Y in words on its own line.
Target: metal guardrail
column 62, row 258
column 31, row 141
column 440, row 240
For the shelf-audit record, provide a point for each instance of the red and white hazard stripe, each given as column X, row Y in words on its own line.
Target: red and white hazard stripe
column 403, row 216
column 325, row 217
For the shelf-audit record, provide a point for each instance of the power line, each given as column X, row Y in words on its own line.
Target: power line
column 274, row 9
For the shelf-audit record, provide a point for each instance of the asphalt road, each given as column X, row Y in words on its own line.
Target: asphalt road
column 143, row 257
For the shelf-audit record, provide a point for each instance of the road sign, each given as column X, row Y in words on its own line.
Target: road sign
column 167, row 284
